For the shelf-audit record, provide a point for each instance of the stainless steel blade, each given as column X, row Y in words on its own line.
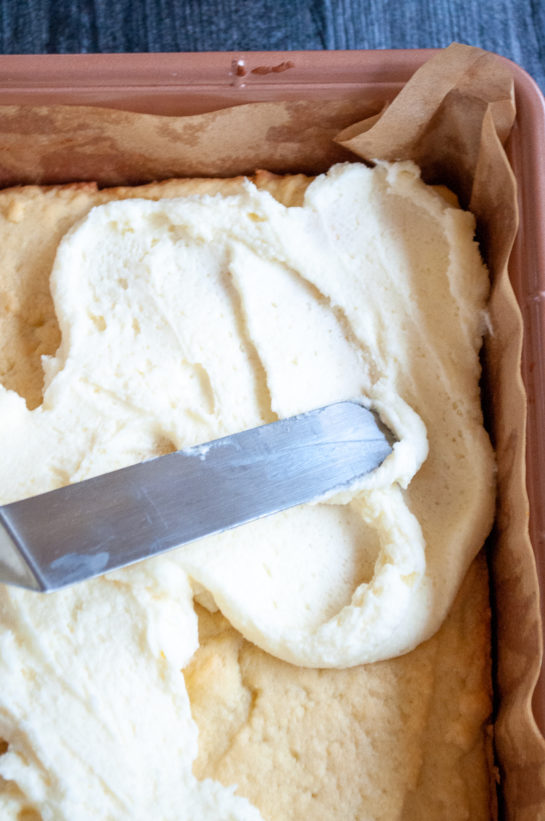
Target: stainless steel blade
column 89, row 528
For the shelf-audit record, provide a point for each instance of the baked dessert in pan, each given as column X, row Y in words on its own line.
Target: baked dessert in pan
column 317, row 704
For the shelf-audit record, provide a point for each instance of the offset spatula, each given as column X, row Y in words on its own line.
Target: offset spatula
column 89, row 528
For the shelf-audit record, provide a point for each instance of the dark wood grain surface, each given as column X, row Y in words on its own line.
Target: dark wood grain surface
column 514, row 28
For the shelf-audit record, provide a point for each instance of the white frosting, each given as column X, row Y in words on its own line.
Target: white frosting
column 184, row 320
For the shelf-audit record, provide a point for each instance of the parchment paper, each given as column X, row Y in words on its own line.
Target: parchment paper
column 451, row 118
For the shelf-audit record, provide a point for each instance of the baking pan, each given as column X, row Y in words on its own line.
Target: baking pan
column 184, row 84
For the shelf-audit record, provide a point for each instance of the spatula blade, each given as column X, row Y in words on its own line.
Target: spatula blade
column 89, row 528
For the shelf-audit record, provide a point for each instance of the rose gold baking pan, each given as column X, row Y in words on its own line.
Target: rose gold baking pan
column 188, row 84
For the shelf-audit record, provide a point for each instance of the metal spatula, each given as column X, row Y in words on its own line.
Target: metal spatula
column 89, row 528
